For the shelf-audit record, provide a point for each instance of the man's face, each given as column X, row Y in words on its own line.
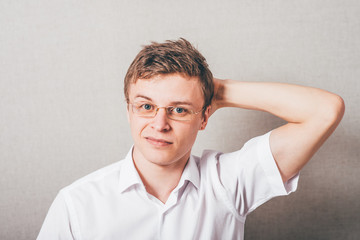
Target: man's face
column 160, row 140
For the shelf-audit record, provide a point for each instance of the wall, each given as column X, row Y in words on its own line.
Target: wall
column 62, row 111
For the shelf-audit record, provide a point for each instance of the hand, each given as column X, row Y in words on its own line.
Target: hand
column 219, row 90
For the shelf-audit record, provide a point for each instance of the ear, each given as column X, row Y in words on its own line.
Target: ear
column 127, row 112
column 205, row 118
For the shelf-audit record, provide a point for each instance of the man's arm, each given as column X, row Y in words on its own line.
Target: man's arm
column 312, row 115
column 57, row 222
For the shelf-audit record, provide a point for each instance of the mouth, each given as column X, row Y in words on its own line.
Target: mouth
column 158, row 142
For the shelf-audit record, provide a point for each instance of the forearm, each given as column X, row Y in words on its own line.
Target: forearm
column 293, row 103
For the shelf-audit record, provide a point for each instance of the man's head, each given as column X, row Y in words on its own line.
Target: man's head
column 164, row 84
column 168, row 58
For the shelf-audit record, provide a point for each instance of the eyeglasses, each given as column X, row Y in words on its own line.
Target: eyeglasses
column 149, row 110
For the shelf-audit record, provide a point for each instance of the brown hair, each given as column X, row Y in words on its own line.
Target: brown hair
column 171, row 57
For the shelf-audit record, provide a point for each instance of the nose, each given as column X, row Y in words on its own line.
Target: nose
column 160, row 121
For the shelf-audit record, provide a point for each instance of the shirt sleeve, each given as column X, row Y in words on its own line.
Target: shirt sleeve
column 251, row 177
column 57, row 224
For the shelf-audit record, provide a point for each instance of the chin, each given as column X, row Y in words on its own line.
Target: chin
column 162, row 157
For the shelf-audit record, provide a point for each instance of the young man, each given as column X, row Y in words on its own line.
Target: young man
column 161, row 191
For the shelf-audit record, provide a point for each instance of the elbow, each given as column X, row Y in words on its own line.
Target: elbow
column 333, row 111
column 338, row 111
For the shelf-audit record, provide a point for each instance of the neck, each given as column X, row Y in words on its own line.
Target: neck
column 159, row 180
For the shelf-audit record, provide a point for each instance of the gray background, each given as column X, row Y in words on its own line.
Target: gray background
column 62, row 111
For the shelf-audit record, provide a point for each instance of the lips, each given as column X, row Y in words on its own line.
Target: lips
column 158, row 142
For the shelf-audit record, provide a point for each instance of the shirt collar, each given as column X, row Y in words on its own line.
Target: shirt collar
column 190, row 173
column 130, row 177
column 128, row 173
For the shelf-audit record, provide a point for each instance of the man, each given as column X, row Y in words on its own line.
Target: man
column 161, row 191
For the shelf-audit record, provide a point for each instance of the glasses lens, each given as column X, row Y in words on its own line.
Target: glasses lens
column 180, row 113
column 174, row 113
column 144, row 110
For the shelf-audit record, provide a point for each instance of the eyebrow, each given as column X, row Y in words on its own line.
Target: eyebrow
column 172, row 103
column 143, row 96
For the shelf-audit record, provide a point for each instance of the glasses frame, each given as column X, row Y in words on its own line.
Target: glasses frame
column 192, row 113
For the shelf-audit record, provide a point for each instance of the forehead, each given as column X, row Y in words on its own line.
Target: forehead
column 169, row 88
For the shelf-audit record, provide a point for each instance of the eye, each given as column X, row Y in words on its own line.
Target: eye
column 180, row 111
column 146, row 106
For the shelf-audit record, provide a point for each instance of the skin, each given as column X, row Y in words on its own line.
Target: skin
column 162, row 146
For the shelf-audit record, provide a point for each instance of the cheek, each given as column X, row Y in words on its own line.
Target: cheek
column 188, row 133
column 136, row 125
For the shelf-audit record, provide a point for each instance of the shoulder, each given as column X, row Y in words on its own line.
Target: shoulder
column 104, row 179
column 241, row 164
column 251, row 149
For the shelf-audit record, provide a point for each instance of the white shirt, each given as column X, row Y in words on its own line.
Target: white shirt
column 215, row 194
